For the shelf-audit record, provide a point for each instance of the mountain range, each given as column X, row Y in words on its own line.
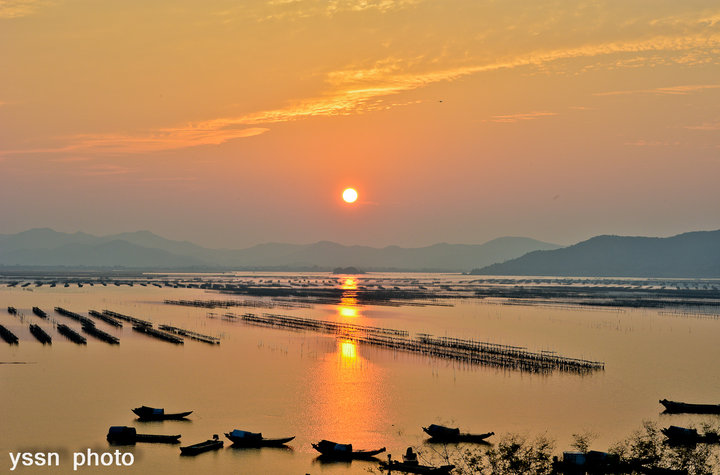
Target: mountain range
column 143, row 249
column 693, row 254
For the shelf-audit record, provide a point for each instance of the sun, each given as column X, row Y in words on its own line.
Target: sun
column 350, row 195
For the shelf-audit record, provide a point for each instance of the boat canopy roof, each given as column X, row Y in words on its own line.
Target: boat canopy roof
column 243, row 434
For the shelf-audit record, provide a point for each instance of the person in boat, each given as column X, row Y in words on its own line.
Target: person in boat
column 410, row 457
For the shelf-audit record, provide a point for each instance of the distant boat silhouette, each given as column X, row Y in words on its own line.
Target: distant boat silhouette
column 683, row 407
column 210, row 444
column 147, row 413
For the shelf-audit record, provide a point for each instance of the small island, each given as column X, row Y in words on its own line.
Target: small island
column 347, row 270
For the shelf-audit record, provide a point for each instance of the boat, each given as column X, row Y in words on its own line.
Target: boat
column 333, row 450
column 683, row 436
column 440, row 433
column 241, row 438
column 147, row 413
column 408, row 467
column 128, row 435
column 683, row 407
column 410, row 464
column 211, row 444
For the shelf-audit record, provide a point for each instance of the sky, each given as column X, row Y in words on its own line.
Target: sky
column 232, row 123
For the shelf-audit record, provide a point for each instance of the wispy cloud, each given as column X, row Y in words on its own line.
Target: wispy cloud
column 103, row 170
column 511, row 118
column 213, row 132
column 652, row 143
column 672, row 90
column 20, row 8
column 72, row 159
column 295, row 10
column 704, row 126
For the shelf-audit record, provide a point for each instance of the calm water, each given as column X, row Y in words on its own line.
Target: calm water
column 314, row 386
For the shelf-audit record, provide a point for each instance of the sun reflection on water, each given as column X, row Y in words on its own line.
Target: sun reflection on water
column 348, row 350
column 348, row 400
column 349, row 284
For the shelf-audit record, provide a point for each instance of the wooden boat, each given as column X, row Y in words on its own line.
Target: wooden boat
column 128, row 435
column 683, row 407
column 241, row 438
column 684, row 436
column 210, row 444
column 415, row 468
column 147, row 413
column 440, row 433
column 337, row 451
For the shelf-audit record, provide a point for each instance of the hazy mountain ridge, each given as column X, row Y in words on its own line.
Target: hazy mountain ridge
column 45, row 247
column 693, row 254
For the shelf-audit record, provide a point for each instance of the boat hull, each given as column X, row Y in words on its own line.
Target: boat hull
column 350, row 455
column 685, row 408
column 449, row 436
column 206, row 446
column 146, row 415
column 246, row 442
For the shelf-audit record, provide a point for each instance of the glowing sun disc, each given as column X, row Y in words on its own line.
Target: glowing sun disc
column 350, row 195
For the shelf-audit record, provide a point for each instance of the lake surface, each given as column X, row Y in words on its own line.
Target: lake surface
column 317, row 386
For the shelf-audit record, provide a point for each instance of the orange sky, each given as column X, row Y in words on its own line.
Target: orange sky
column 232, row 123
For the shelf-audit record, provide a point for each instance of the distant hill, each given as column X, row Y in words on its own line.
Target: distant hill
column 143, row 249
column 694, row 254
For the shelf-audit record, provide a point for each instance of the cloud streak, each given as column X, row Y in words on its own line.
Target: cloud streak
column 20, row 8
column 361, row 90
column 663, row 91
column 512, row 118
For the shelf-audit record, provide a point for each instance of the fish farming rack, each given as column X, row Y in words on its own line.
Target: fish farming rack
column 190, row 334
column 127, row 318
column 8, row 336
column 39, row 312
column 106, row 318
column 75, row 316
column 472, row 352
column 322, row 326
column 40, row 334
column 161, row 335
column 71, row 334
column 508, row 354
column 237, row 303
column 90, row 329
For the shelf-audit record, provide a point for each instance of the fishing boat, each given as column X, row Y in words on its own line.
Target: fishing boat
column 128, row 435
column 684, row 436
column 147, row 413
column 406, row 467
column 333, row 450
column 440, row 433
column 683, row 407
column 242, row 438
column 211, row 444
